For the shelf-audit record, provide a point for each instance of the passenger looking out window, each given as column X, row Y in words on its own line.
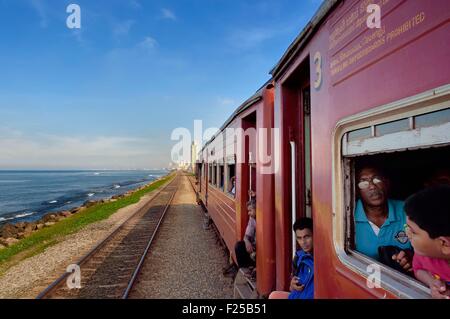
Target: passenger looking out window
column 379, row 222
column 302, row 282
column 428, row 228
column 232, row 187
column 246, row 250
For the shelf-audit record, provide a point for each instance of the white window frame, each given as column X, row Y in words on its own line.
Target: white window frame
column 343, row 201
column 214, row 174
column 229, row 161
column 220, row 165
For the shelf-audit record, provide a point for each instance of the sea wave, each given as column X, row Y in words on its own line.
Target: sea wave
column 24, row 215
column 21, row 215
column 76, row 194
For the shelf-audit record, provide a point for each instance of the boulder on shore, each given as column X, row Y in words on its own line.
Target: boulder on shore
column 8, row 241
column 29, row 227
column 76, row 210
column 65, row 214
column 21, row 225
column 9, row 231
column 48, row 218
column 90, row 203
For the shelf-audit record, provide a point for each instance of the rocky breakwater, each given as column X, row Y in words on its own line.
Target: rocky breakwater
column 11, row 234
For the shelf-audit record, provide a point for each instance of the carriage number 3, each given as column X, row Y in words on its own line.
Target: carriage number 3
column 318, row 64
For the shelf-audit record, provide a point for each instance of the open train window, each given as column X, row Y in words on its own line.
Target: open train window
column 221, row 182
column 214, row 174
column 409, row 143
column 210, row 173
column 231, row 179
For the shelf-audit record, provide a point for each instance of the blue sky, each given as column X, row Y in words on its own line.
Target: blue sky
column 109, row 94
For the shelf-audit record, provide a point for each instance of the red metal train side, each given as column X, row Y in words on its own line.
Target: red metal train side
column 336, row 68
column 230, row 214
column 352, row 69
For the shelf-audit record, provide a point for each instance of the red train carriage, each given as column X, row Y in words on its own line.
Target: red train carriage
column 342, row 95
column 219, row 163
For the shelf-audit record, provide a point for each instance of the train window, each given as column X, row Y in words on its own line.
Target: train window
column 252, row 172
column 214, row 174
column 408, row 142
column 231, row 179
column 433, row 118
column 359, row 134
column 392, row 127
column 210, row 173
column 221, row 183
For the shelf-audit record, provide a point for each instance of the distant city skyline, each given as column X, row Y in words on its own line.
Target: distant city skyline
column 108, row 95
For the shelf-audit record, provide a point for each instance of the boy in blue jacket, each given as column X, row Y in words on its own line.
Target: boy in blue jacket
column 302, row 282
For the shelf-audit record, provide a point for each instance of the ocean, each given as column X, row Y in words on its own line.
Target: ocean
column 28, row 195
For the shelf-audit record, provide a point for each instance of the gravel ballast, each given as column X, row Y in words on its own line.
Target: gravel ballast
column 185, row 260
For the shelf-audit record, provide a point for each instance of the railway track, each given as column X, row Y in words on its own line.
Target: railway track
column 110, row 269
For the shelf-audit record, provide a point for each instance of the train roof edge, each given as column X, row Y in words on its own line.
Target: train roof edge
column 305, row 35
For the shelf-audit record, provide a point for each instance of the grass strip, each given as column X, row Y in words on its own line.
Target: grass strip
column 40, row 240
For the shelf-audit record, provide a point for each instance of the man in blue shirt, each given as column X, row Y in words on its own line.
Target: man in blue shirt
column 302, row 282
column 380, row 221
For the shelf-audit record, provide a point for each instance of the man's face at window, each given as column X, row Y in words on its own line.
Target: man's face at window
column 305, row 239
column 372, row 187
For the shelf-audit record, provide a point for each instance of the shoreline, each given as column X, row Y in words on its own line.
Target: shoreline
column 18, row 238
column 23, row 216
column 28, row 277
column 74, row 197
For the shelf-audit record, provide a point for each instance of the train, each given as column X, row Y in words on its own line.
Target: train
column 344, row 93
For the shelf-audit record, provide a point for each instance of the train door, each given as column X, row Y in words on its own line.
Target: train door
column 300, row 142
column 246, row 171
column 307, row 199
column 294, row 182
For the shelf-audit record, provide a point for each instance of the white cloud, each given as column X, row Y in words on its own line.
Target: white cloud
column 168, row 14
column 123, row 28
column 78, row 35
column 250, row 38
column 226, row 101
column 40, row 9
column 50, row 151
column 135, row 4
column 148, row 43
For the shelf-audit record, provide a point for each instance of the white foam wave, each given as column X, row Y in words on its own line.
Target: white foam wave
column 23, row 215
column 3, row 219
